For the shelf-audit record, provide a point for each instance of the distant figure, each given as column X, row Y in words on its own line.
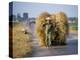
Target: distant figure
column 25, row 31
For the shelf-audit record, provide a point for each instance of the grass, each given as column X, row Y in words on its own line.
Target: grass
column 21, row 44
column 73, row 27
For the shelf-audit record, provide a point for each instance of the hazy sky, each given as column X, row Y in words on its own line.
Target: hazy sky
column 35, row 9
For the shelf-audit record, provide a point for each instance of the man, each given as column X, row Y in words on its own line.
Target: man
column 48, row 31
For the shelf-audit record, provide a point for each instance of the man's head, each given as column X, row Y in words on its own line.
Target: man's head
column 48, row 20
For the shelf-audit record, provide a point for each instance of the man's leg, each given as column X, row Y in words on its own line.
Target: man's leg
column 49, row 39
